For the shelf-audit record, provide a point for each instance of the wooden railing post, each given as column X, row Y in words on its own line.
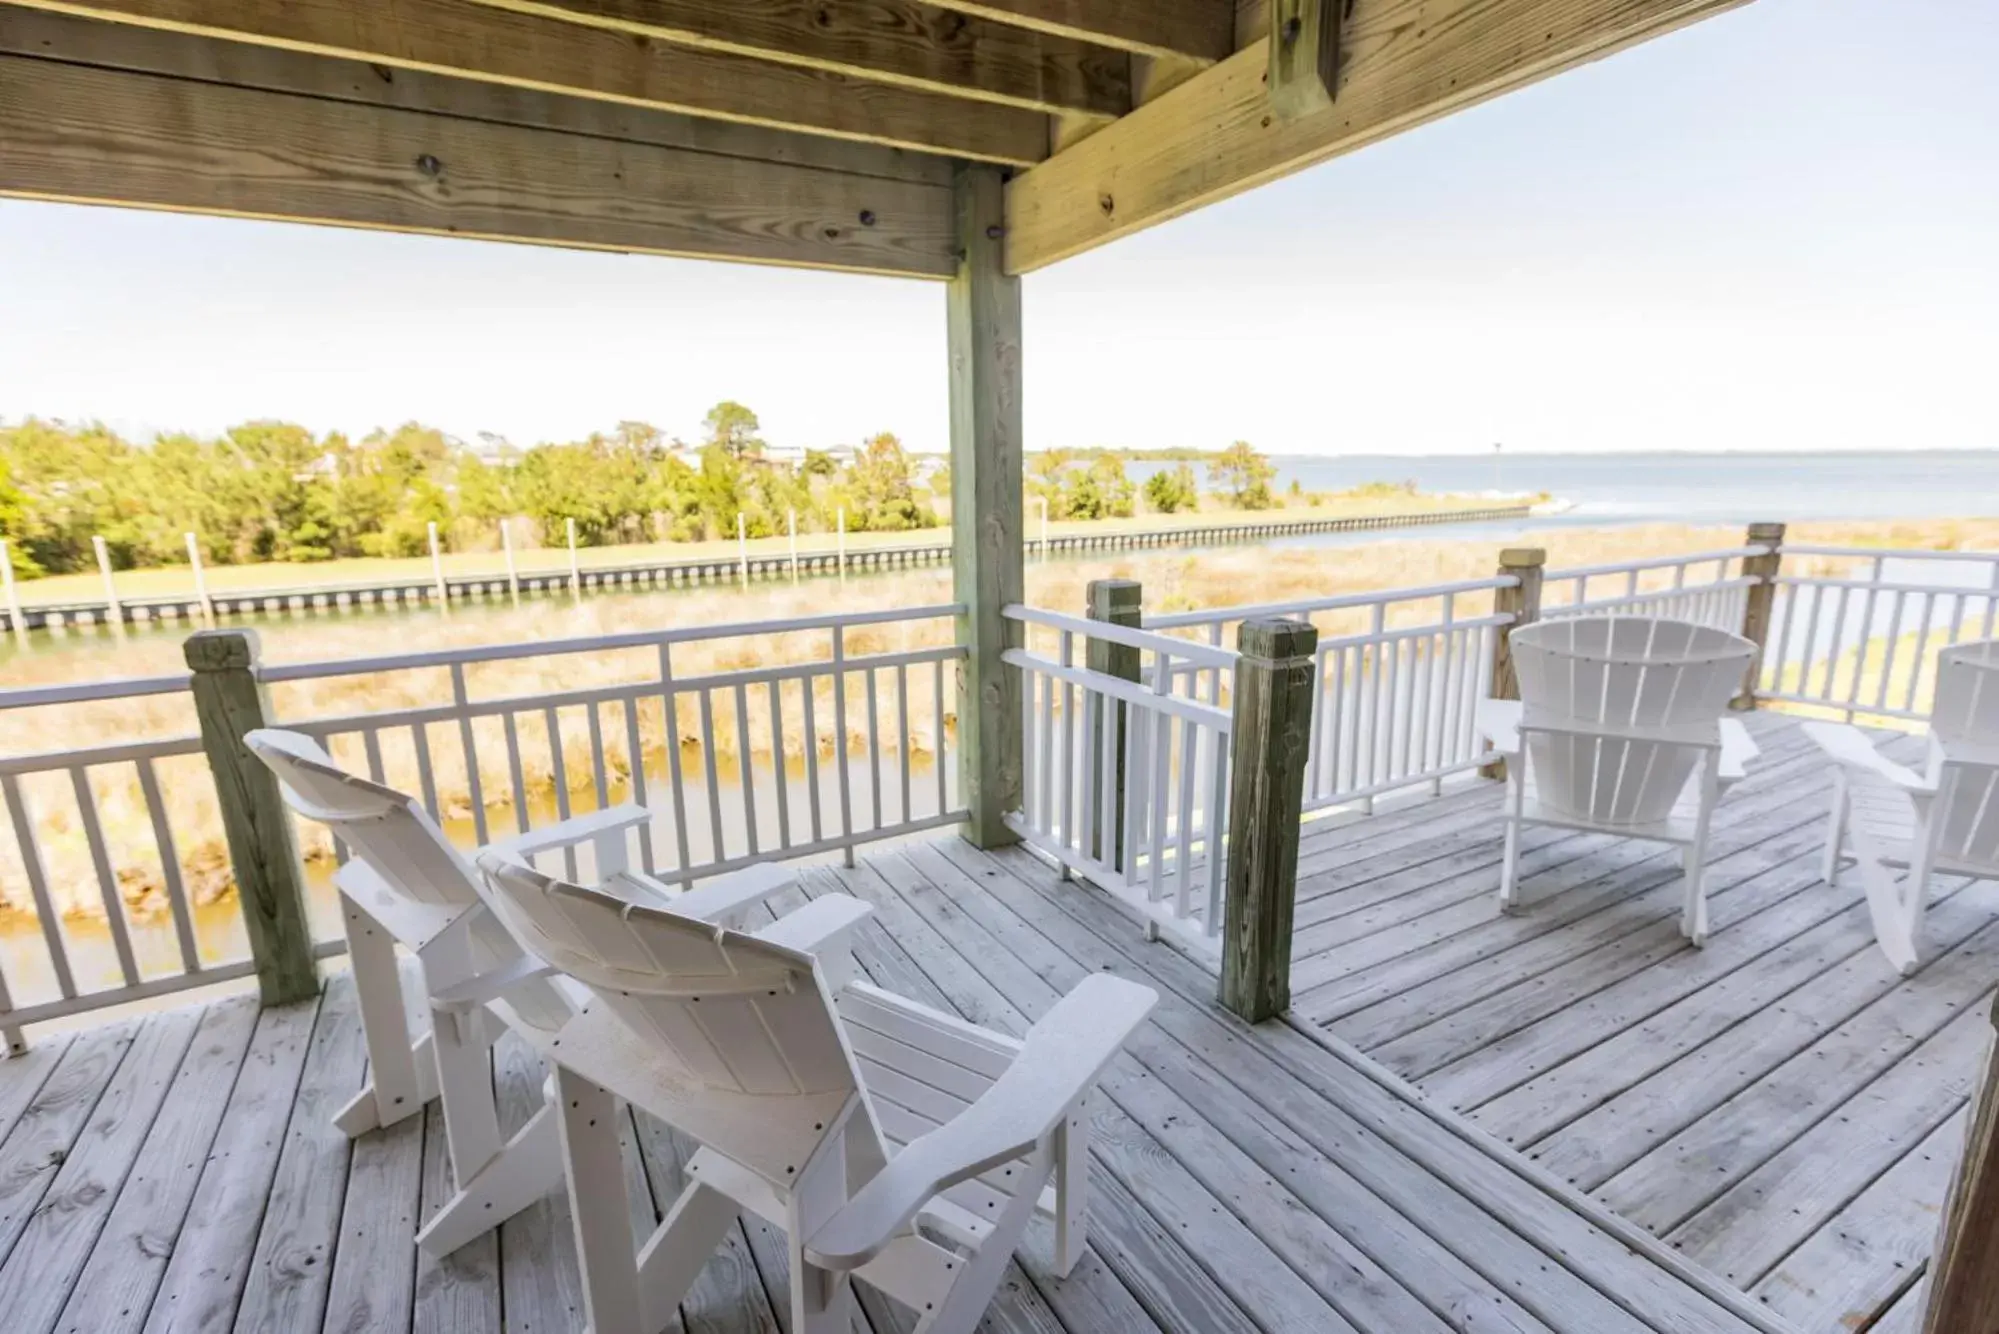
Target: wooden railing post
column 1271, row 739
column 1756, row 607
column 1523, row 603
column 1118, row 602
column 1964, row 1274
column 229, row 702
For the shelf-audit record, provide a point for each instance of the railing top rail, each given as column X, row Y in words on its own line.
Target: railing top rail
column 1214, row 615
column 1882, row 586
column 1660, row 562
column 90, row 756
column 1205, row 655
column 118, row 687
column 1132, row 693
column 1889, row 553
column 307, row 671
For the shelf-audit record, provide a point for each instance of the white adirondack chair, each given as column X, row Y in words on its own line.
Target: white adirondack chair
column 406, row 884
column 891, row 1142
column 1900, row 827
column 1622, row 720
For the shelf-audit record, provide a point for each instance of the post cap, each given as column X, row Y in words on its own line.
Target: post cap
column 221, row 650
column 1277, row 640
column 1766, row 532
column 1523, row 558
column 1104, row 597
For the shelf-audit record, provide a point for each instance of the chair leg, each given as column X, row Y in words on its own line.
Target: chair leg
column 361, row 1114
column 964, row 1306
column 465, row 1088
column 1509, row 870
column 597, row 1205
column 821, row 1299
column 392, row 1073
column 526, row 1170
column 1072, row 1183
column 672, row 1258
column 1835, row 833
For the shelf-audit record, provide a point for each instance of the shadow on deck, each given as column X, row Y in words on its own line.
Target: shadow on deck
column 179, row 1171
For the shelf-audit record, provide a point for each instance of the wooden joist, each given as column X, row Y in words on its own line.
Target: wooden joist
column 1216, row 135
column 473, row 41
column 889, row 41
column 80, row 134
column 1203, row 30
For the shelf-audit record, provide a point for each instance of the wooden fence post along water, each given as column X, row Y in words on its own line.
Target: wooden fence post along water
column 1760, row 596
column 1521, row 601
column 229, row 701
column 1115, row 602
column 1274, row 683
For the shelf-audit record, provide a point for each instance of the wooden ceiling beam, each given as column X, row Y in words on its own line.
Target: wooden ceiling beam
column 79, row 134
column 900, row 42
column 1201, row 30
column 469, row 40
column 1403, row 62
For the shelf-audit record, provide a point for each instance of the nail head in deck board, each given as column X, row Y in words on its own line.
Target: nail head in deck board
column 126, row 1259
column 460, row 57
column 885, row 41
column 1964, row 1279
column 230, row 702
column 982, row 312
column 87, row 135
column 1272, row 705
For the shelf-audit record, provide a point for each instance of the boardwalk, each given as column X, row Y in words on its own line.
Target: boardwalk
column 178, row 1172
column 1780, row 1106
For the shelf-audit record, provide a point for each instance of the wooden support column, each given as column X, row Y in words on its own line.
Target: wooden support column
column 1304, row 55
column 270, row 886
column 1523, row 603
column 982, row 308
column 1756, row 607
column 1116, row 602
column 1272, row 738
column 1964, row 1275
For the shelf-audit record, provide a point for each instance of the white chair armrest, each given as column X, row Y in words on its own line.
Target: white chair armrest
column 820, row 925
column 1738, row 748
column 577, row 829
column 727, row 895
column 1059, row 1062
column 1851, row 749
column 491, row 984
column 1498, row 721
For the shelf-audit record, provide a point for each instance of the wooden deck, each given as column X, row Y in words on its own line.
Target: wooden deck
column 1780, row 1106
column 178, row 1172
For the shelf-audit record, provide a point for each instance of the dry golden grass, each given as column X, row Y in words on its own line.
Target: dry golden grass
column 1173, row 582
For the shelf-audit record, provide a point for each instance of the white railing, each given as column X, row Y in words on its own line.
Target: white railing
column 846, row 742
column 1857, row 629
column 1399, row 675
column 1708, row 587
column 1158, row 843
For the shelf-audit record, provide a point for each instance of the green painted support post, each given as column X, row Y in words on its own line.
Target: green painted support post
column 982, row 310
column 270, row 884
column 1762, row 595
column 1117, row 602
column 1523, row 603
column 1271, row 741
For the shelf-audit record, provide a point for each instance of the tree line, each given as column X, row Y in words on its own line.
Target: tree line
column 274, row 491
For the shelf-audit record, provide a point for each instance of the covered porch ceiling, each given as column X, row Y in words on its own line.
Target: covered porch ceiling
column 809, row 133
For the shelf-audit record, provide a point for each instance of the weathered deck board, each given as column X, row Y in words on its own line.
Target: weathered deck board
column 1779, row 1105
column 1247, row 1181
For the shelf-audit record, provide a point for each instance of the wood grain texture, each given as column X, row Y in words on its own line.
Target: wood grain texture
column 1757, row 601
column 1116, row 602
column 230, row 703
column 1202, row 30
column 88, row 135
column 1304, row 55
column 1964, row 1279
column 982, row 312
column 1407, row 62
column 890, row 41
column 504, row 58
column 1274, row 682
column 1523, row 603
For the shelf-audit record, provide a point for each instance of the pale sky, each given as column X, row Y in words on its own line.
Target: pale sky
column 1778, row 228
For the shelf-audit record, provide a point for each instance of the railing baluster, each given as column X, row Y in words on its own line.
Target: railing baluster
column 840, row 739
column 426, row 778
column 1929, row 604
column 717, row 849
column 107, row 879
column 874, row 752
column 902, row 733
column 513, row 735
column 600, row 779
column 170, row 873
column 635, row 765
column 810, row 687
column 676, row 780
column 1183, row 904
column 559, row 775
column 19, row 811
column 746, row 766
column 779, row 771
column 1162, row 796
column 461, row 704
column 937, row 737
column 1071, row 826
